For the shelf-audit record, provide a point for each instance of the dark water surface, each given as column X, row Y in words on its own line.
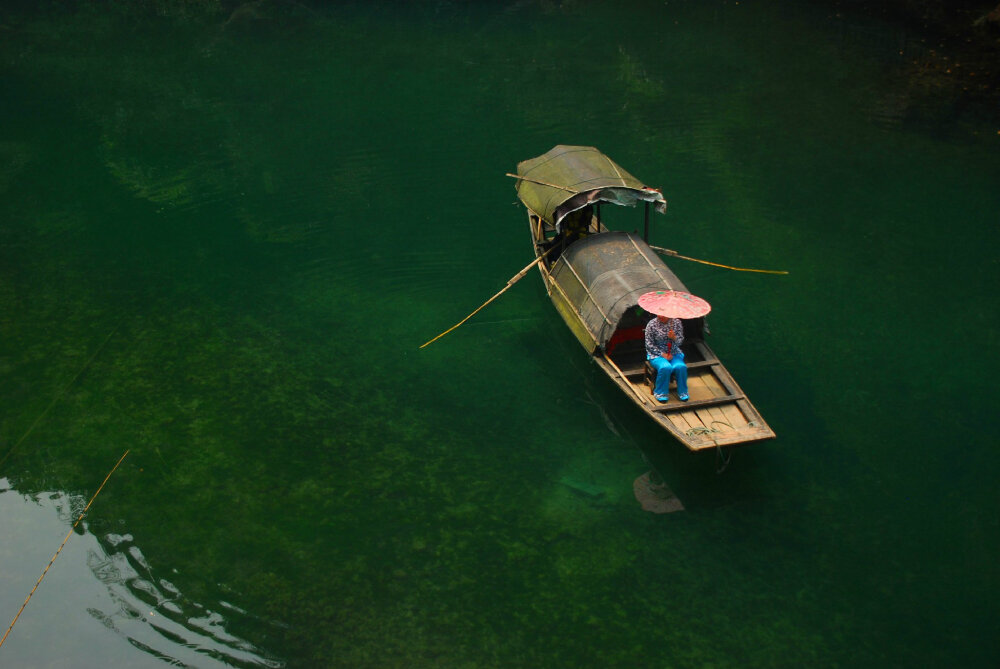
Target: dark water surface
column 222, row 240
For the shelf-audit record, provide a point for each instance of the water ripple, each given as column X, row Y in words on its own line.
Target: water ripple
column 149, row 612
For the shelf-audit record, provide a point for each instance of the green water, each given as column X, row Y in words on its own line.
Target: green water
column 223, row 238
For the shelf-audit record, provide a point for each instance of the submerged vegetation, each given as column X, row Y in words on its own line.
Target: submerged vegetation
column 221, row 251
column 949, row 65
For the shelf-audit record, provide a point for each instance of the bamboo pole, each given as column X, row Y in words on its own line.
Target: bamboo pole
column 642, row 399
column 63, row 545
column 675, row 254
column 542, row 183
column 514, row 279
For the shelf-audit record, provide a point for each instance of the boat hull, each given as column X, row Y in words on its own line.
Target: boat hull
column 718, row 413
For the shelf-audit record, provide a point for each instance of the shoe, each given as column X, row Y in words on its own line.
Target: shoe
column 662, row 398
column 684, row 398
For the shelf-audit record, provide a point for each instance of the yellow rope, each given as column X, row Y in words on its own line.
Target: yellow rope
column 675, row 254
column 60, row 394
column 68, row 535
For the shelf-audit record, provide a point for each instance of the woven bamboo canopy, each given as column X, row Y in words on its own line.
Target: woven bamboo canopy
column 568, row 178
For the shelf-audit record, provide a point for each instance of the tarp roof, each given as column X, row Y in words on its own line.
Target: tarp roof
column 570, row 177
column 603, row 275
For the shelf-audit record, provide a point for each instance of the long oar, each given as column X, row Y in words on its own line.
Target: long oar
column 675, row 254
column 514, row 279
column 621, row 374
column 63, row 545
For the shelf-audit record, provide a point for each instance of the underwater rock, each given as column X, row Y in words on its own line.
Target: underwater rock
column 655, row 497
column 989, row 19
column 582, row 487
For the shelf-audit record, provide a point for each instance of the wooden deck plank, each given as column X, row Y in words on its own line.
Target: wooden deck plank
column 727, row 381
column 683, row 421
column 743, row 437
column 734, row 414
column 678, row 422
column 672, row 405
column 713, row 415
column 705, row 416
column 735, row 420
column 711, row 381
column 699, row 390
column 685, row 426
column 714, row 419
column 718, row 388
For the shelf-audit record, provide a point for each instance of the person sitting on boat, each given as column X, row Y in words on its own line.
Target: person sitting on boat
column 664, row 337
column 576, row 225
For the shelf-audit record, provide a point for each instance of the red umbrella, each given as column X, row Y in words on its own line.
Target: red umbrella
column 674, row 304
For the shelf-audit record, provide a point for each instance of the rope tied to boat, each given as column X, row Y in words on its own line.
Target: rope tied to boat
column 675, row 254
column 710, row 428
column 723, row 457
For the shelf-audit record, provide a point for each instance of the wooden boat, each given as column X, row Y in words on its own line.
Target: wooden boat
column 595, row 276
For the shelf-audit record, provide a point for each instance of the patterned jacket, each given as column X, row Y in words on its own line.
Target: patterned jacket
column 657, row 341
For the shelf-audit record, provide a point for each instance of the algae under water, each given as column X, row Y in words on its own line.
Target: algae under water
column 269, row 211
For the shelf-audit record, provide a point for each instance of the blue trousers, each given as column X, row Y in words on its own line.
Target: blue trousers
column 664, row 368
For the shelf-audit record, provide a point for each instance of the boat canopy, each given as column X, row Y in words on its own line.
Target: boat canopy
column 603, row 275
column 568, row 178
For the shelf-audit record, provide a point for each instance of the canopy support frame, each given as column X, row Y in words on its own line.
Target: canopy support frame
column 645, row 226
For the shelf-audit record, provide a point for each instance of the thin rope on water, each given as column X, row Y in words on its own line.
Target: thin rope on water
column 59, row 395
column 723, row 457
column 61, row 546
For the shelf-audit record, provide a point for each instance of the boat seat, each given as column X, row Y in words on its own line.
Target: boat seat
column 649, row 375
